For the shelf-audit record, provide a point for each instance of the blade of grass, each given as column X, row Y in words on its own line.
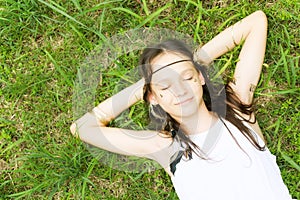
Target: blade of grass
column 197, row 5
column 199, row 18
column 4, row 19
column 290, row 161
column 287, row 38
column 58, row 6
column 272, row 73
column 28, row 192
column 153, row 15
column 233, row 18
column 146, row 10
column 61, row 11
column 76, row 30
column 11, row 146
column 191, row 2
column 77, row 5
column 101, row 20
column 221, row 71
column 294, row 64
column 62, row 73
column 281, row 92
column 128, row 11
column 99, row 6
column 88, row 173
column 285, row 65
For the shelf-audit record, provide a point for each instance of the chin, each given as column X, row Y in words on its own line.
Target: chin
column 178, row 112
column 181, row 115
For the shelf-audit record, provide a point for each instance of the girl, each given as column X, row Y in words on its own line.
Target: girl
column 208, row 139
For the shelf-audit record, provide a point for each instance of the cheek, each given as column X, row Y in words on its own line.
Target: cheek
column 193, row 85
column 196, row 88
column 164, row 96
column 165, row 100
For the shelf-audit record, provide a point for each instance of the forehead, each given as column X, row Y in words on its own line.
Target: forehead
column 158, row 64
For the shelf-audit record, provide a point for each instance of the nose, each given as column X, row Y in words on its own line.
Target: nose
column 179, row 89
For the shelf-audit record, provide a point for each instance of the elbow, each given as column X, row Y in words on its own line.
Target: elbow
column 260, row 13
column 79, row 131
column 73, row 129
column 259, row 22
column 261, row 16
column 82, row 125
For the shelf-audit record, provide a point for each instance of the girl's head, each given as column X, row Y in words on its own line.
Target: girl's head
column 173, row 80
column 176, row 86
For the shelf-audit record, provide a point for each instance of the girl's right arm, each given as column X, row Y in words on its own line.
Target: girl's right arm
column 252, row 32
column 92, row 129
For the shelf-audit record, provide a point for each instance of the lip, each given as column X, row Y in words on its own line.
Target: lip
column 184, row 101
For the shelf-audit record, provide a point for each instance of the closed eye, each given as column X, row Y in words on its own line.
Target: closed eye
column 162, row 86
column 189, row 78
column 189, row 75
column 165, row 88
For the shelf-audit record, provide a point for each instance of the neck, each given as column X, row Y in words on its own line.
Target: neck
column 198, row 122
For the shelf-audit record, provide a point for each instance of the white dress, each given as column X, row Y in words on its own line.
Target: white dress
column 232, row 171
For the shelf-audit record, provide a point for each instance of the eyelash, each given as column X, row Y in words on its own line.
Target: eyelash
column 165, row 88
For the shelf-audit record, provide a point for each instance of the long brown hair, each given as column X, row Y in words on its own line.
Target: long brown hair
column 218, row 98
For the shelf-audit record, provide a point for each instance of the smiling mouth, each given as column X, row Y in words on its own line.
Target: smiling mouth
column 185, row 101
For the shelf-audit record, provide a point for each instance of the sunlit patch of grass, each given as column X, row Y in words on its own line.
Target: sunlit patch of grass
column 42, row 45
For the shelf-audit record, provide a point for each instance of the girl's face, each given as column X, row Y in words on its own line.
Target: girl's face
column 176, row 88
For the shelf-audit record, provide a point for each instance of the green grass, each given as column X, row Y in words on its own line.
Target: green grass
column 42, row 45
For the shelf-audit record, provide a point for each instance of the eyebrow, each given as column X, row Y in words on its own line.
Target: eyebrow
column 178, row 61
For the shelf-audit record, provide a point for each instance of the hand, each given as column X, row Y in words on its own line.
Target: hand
column 202, row 57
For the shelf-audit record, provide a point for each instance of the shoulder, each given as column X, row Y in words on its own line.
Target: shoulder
column 250, row 138
column 166, row 153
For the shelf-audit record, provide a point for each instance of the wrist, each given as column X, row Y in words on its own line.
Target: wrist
column 201, row 56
